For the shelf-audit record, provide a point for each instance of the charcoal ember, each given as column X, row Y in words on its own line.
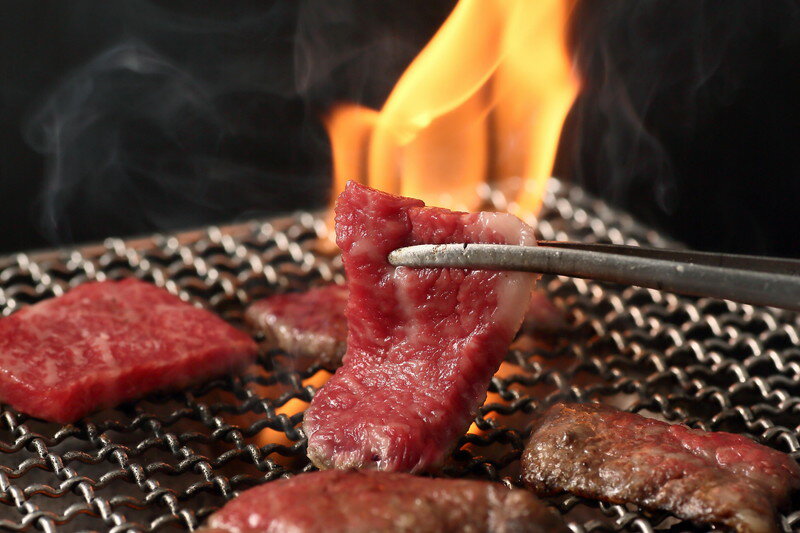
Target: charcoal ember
column 362, row 501
column 308, row 324
column 106, row 342
column 597, row 451
column 423, row 344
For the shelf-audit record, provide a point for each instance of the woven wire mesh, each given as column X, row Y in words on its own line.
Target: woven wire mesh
column 170, row 460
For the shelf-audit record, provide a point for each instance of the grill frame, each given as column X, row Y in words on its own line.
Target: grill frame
column 171, row 459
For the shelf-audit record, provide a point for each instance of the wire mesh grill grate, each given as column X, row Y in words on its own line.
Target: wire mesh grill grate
column 168, row 461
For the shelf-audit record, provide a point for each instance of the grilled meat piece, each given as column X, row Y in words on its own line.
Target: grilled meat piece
column 543, row 315
column 339, row 501
column 442, row 330
column 600, row 452
column 312, row 324
column 305, row 324
column 106, row 342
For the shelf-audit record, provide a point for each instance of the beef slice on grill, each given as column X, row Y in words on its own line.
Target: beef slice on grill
column 543, row 316
column 422, row 344
column 312, row 324
column 600, row 452
column 365, row 501
column 306, row 324
column 106, row 342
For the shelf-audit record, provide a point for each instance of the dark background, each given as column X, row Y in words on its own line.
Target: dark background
column 123, row 117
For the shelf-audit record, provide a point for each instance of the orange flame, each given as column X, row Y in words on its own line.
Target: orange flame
column 290, row 408
column 485, row 100
column 506, row 369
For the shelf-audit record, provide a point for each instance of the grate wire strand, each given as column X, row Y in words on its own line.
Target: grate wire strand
column 168, row 461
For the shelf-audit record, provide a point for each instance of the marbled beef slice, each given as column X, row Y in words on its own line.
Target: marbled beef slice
column 422, row 344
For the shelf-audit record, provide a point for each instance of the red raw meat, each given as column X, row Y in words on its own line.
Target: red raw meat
column 312, row 324
column 422, row 344
column 306, row 324
column 336, row 501
column 106, row 342
column 600, row 452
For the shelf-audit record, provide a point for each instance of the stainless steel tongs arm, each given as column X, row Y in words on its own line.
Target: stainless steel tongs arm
column 747, row 279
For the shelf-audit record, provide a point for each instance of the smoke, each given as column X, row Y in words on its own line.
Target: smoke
column 657, row 77
column 146, row 136
column 184, row 113
column 95, row 130
column 354, row 51
column 204, row 112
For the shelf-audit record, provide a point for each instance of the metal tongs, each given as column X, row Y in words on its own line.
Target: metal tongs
column 748, row 279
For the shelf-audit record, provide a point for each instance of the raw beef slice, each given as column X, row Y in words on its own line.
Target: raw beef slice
column 366, row 501
column 600, row 452
column 106, row 342
column 312, row 324
column 306, row 324
column 422, row 344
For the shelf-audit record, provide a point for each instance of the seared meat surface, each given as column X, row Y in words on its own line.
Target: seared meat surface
column 600, row 452
column 368, row 501
column 306, row 324
column 106, row 342
column 444, row 331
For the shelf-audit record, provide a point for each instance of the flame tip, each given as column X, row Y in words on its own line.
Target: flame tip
column 485, row 100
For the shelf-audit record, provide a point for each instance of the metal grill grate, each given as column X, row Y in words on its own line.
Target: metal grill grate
column 170, row 460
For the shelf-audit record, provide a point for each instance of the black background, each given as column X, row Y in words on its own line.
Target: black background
column 123, row 117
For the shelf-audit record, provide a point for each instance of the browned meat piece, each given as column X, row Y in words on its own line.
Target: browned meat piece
column 600, row 452
column 305, row 324
column 352, row 501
